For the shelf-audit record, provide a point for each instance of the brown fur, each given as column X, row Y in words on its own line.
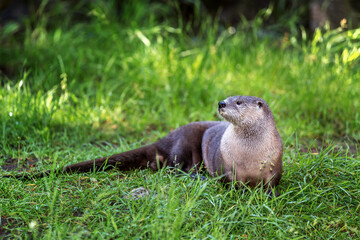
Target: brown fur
column 247, row 148
column 250, row 149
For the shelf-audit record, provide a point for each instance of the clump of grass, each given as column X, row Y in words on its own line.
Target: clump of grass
column 319, row 197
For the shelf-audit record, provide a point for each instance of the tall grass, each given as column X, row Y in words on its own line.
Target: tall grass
column 76, row 90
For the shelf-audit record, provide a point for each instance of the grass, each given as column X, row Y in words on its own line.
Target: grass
column 74, row 90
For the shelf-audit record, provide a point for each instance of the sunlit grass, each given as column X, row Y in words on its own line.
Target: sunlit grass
column 80, row 91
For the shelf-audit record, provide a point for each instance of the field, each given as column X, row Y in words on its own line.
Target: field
column 77, row 90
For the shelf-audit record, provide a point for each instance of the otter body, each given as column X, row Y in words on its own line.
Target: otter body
column 246, row 147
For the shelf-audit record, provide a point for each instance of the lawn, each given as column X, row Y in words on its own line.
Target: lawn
column 75, row 90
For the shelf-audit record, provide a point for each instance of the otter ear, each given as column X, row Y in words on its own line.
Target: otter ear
column 259, row 104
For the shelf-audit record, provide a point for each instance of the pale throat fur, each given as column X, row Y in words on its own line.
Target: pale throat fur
column 248, row 137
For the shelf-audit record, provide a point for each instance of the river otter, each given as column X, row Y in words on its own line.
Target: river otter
column 246, row 147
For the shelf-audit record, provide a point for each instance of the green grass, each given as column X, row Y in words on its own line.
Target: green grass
column 75, row 91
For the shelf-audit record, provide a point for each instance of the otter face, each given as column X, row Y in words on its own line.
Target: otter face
column 241, row 110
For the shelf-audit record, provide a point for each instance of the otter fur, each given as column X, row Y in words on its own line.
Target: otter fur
column 245, row 148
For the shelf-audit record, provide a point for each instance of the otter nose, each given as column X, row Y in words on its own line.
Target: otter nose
column 222, row 104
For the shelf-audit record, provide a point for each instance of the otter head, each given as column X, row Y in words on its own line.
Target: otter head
column 244, row 110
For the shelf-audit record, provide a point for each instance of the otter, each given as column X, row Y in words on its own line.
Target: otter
column 245, row 148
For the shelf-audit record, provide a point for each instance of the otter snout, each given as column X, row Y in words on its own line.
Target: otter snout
column 222, row 104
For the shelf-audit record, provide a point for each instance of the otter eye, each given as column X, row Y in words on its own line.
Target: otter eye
column 239, row 102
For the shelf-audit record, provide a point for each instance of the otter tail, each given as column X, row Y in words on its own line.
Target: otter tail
column 139, row 158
